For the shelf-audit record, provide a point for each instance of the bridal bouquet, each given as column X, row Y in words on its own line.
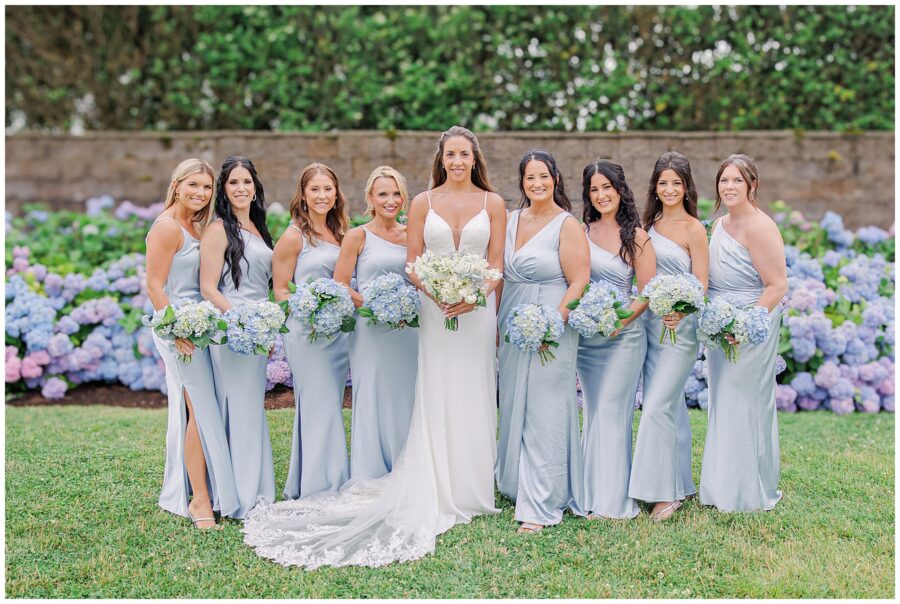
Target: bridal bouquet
column 325, row 305
column 198, row 322
column 599, row 310
column 533, row 328
column 722, row 316
column 455, row 278
column 390, row 300
column 252, row 327
column 673, row 293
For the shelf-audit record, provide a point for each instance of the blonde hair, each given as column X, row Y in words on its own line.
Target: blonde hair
column 747, row 167
column 187, row 168
column 385, row 172
column 336, row 220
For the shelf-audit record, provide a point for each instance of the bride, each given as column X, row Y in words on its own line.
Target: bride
column 444, row 475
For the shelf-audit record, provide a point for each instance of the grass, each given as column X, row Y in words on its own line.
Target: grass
column 82, row 521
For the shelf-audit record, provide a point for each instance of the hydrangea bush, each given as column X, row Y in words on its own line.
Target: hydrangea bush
column 76, row 292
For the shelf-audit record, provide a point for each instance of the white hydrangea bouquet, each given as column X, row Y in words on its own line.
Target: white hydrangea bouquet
column 599, row 311
column 533, row 328
column 325, row 305
column 673, row 293
column 722, row 316
column 390, row 300
column 199, row 322
column 253, row 327
column 455, row 278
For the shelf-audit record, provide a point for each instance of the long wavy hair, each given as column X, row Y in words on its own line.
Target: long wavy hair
column 189, row 167
column 559, row 187
column 234, row 250
column 336, row 220
column 479, row 170
column 749, row 171
column 626, row 215
column 675, row 161
column 385, row 172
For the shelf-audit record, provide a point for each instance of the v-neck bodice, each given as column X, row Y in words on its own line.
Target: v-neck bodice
column 537, row 261
column 473, row 237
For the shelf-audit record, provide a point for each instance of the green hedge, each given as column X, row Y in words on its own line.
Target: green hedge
column 501, row 67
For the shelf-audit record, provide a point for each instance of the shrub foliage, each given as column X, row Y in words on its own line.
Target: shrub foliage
column 487, row 67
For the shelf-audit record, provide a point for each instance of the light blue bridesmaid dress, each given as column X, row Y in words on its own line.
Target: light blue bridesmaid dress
column 319, row 442
column 539, row 462
column 383, row 364
column 196, row 378
column 609, row 370
column 741, row 459
column 241, row 385
column 661, row 469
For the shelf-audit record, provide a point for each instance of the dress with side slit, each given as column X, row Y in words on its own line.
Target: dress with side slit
column 196, row 379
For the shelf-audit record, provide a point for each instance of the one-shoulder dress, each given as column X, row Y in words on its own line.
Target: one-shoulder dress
column 741, row 459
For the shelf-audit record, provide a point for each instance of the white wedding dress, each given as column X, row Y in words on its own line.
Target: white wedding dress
column 444, row 475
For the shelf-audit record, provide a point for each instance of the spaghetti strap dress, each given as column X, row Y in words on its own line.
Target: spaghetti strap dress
column 195, row 378
column 318, row 442
column 609, row 370
column 241, row 385
column 661, row 469
column 383, row 363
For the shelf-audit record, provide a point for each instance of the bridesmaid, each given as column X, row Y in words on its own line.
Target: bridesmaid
column 609, row 368
column 661, row 469
column 197, row 458
column 741, row 462
column 309, row 250
column 382, row 360
column 546, row 261
column 235, row 268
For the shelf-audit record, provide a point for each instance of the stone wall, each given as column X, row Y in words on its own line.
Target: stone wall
column 852, row 174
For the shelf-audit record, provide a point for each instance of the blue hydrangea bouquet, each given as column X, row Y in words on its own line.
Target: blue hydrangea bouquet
column 325, row 305
column 199, row 322
column 673, row 293
column 599, row 311
column 533, row 328
column 390, row 300
column 253, row 327
column 722, row 316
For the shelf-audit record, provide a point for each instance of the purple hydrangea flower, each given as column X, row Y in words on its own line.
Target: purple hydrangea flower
column 785, row 396
column 54, row 388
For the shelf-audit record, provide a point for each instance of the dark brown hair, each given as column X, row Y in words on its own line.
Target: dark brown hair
column 479, row 172
column 670, row 160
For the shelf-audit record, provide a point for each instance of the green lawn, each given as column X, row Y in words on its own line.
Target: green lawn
column 82, row 521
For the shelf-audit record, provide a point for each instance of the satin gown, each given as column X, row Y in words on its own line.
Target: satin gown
column 319, row 442
column 241, row 385
column 661, row 468
column 539, row 462
column 383, row 364
column 444, row 475
column 741, row 459
column 609, row 370
column 195, row 378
